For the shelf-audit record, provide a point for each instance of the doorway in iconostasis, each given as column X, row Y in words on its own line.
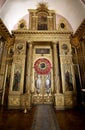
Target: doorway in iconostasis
column 43, row 84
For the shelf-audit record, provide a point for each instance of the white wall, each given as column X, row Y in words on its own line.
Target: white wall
column 13, row 10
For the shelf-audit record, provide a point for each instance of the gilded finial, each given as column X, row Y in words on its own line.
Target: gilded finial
column 42, row 5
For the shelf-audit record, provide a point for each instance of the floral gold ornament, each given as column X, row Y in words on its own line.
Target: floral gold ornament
column 19, row 48
column 64, row 47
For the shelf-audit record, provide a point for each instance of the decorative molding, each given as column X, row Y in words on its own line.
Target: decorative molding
column 22, row 25
column 62, row 26
column 40, row 32
column 41, row 36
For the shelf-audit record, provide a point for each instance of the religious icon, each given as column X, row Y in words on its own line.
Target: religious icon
column 16, row 83
column 68, row 80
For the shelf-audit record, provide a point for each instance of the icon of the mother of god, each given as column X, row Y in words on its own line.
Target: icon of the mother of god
column 17, row 78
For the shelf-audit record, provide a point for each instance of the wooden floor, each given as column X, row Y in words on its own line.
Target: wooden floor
column 73, row 119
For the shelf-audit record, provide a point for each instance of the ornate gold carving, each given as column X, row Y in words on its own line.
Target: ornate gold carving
column 19, row 48
column 68, row 99
column 42, row 18
column 42, row 6
column 14, row 100
column 22, row 24
column 59, row 100
column 37, row 99
column 62, row 25
column 75, row 41
column 40, row 99
column 19, row 59
column 48, row 99
column 66, row 60
column 65, row 48
column 42, row 35
column 25, row 100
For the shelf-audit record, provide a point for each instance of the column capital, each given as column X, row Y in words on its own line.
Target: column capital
column 30, row 44
column 55, row 42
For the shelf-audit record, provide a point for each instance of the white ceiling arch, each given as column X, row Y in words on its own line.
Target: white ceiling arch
column 13, row 10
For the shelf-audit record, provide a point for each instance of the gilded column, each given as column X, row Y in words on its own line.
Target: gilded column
column 28, row 73
column 56, row 69
column 3, row 71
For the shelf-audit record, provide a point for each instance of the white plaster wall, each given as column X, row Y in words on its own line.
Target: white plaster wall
column 13, row 10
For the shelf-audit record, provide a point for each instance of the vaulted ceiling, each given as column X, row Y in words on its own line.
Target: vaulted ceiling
column 13, row 10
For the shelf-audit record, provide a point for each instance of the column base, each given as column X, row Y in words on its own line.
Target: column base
column 65, row 101
column 19, row 101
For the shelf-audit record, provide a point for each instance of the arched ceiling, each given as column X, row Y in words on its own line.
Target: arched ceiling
column 13, row 10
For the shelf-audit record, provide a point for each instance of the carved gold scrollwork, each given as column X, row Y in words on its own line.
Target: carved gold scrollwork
column 22, row 24
column 19, row 48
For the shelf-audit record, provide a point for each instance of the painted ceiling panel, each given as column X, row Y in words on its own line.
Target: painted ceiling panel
column 2, row 3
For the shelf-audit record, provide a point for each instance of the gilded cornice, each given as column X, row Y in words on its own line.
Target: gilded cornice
column 5, row 33
column 31, row 35
column 40, row 32
column 79, row 35
column 81, row 30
